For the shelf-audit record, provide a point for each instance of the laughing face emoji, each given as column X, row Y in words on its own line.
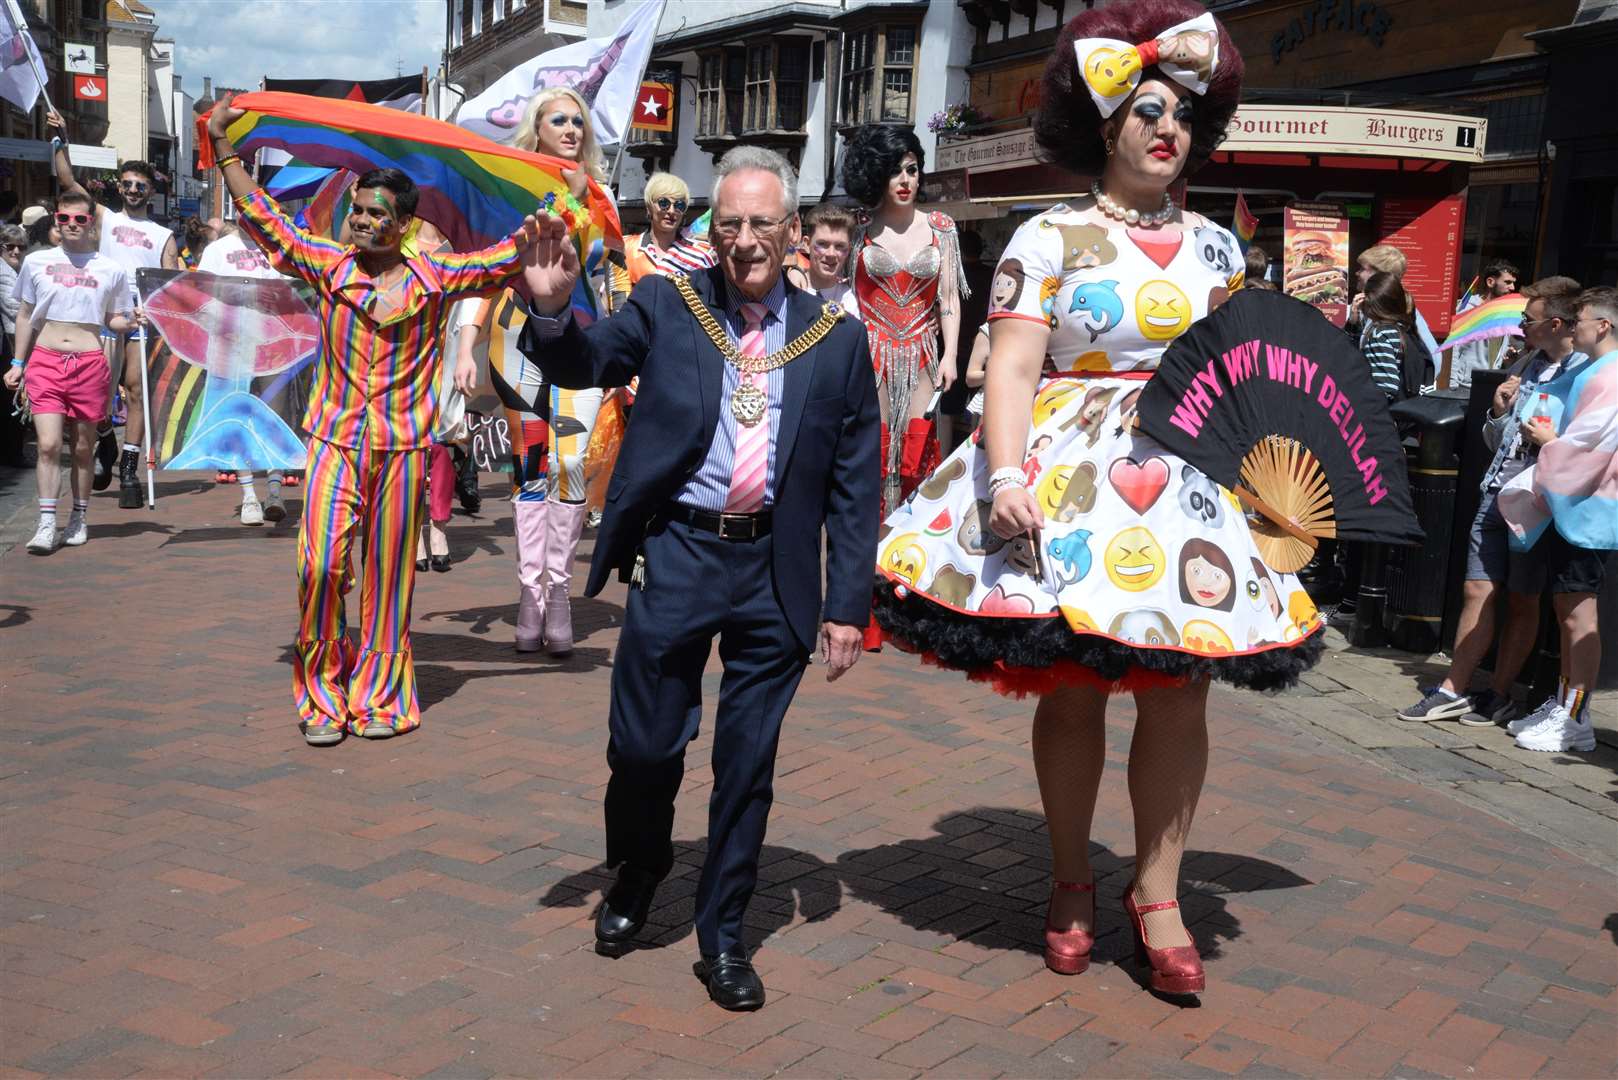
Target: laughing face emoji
column 904, row 558
column 1162, row 310
column 1134, row 560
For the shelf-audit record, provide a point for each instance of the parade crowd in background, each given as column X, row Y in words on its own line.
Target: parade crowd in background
column 965, row 436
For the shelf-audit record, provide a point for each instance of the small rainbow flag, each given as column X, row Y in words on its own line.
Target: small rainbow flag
column 329, row 206
column 1245, row 223
column 477, row 192
column 1493, row 318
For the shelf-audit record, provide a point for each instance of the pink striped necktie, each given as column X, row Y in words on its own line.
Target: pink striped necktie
column 752, row 464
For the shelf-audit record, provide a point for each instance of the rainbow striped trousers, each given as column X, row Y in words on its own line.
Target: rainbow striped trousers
column 377, row 495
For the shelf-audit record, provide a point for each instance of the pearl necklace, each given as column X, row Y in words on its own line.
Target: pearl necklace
column 1131, row 216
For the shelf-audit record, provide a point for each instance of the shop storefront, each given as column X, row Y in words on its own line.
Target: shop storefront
column 1394, row 176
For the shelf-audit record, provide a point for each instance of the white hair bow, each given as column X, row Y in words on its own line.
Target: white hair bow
column 1187, row 53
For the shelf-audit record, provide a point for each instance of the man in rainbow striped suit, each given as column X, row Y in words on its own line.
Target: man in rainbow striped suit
column 372, row 406
column 755, row 427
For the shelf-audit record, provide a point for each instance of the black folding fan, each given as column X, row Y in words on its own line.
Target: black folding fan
column 1274, row 402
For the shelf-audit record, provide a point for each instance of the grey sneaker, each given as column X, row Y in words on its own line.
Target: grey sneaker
column 1533, row 719
column 274, row 508
column 1438, row 705
column 323, row 734
column 1489, row 709
column 78, row 532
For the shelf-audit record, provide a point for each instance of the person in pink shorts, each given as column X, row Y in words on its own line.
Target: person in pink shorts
column 66, row 295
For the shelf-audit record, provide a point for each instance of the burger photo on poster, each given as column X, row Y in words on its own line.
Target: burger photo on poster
column 1312, row 273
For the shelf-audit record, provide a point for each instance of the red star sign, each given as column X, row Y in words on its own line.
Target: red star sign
column 654, row 107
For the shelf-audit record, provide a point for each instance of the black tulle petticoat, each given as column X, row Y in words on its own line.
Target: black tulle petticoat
column 1020, row 656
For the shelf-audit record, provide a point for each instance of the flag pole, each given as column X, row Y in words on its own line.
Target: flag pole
column 146, row 411
column 36, row 63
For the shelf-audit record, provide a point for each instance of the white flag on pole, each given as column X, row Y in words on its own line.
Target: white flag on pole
column 22, row 75
column 606, row 72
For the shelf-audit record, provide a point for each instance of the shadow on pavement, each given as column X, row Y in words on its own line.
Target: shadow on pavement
column 590, row 616
column 123, row 530
column 790, row 883
column 15, row 615
column 986, row 876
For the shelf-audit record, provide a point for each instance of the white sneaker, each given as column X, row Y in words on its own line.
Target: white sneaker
column 1558, row 732
column 252, row 512
column 44, row 541
column 1533, row 719
column 78, row 532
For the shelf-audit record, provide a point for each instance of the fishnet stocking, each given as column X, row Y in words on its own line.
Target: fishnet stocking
column 1168, row 759
column 1069, row 755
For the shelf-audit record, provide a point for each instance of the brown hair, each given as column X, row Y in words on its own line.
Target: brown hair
column 1257, row 261
column 1387, row 302
column 1603, row 300
column 830, row 215
column 1561, row 296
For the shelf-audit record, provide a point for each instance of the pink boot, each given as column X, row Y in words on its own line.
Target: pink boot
column 529, row 522
column 563, row 529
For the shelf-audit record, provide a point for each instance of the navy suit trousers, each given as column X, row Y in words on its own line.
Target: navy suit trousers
column 699, row 586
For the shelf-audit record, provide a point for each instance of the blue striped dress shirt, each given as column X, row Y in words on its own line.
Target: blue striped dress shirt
column 709, row 488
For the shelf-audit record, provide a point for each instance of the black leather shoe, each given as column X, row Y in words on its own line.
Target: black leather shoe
column 624, row 910
column 440, row 564
column 731, row 981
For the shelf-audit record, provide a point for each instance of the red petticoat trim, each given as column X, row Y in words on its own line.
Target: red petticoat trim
column 1021, row 682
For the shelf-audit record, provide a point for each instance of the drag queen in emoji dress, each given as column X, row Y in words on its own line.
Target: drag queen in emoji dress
column 1060, row 553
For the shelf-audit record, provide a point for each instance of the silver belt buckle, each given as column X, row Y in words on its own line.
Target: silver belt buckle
column 725, row 521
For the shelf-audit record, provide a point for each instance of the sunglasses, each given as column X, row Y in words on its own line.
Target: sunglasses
column 134, row 185
column 672, row 204
column 11, row 247
column 72, row 219
column 1526, row 322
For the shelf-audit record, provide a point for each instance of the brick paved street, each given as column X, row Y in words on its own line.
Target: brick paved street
column 190, row 890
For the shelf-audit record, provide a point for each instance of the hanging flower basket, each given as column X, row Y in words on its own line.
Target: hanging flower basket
column 954, row 119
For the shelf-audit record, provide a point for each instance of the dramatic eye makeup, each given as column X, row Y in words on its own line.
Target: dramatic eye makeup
column 1149, row 107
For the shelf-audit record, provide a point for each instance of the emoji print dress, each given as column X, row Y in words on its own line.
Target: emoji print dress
column 1145, row 573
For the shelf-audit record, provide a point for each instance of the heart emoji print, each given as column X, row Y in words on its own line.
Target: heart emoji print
column 1139, row 483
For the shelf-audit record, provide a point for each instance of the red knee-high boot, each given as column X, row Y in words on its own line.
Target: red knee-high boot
column 919, row 456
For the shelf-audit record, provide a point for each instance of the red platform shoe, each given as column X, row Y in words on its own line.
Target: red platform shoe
column 1176, row 970
column 1067, row 952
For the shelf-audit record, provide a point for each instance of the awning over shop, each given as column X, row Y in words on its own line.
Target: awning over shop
column 87, row 157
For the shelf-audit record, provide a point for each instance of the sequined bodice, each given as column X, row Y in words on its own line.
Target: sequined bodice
column 880, row 262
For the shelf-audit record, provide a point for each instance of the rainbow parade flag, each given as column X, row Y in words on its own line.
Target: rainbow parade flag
column 1245, row 223
column 475, row 191
column 1499, row 317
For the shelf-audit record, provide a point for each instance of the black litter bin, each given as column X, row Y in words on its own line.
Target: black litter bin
column 1417, row 577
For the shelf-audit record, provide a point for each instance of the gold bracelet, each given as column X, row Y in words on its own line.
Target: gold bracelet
column 228, row 159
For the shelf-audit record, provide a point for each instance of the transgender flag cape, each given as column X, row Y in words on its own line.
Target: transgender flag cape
column 1574, row 481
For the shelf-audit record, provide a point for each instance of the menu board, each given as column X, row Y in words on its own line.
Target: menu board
column 1428, row 231
column 1316, row 260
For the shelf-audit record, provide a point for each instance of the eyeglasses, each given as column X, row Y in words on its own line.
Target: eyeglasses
column 671, row 204
column 11, row 247
column 563, row 121
column 763, row 227
column 1594, row 318
column 134, row 185
column 72, row 219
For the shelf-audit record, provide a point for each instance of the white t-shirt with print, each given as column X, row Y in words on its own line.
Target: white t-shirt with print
column 72, row 286
column 233, row 256
column 133, row 243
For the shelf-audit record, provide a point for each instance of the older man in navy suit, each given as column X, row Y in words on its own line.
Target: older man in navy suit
column 755, row 429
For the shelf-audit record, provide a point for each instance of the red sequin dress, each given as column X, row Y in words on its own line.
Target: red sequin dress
column 900, row 306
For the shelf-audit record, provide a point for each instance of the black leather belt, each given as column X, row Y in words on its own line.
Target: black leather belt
column 727, row 526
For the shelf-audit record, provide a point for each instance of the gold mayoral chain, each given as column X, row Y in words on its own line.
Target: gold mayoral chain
column 748, row 403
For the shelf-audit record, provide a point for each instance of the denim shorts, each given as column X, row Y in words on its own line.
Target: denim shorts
column 1489, row 556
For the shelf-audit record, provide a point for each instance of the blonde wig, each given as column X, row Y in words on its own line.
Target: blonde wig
column 664, row 185
column 589, row 153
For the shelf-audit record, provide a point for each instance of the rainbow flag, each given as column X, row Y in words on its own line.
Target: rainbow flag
column 1493, row 318
column 1245, row 223
column 477, row 192
column 326, row 210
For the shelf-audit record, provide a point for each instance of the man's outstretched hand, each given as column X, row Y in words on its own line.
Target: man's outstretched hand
column 550, row 261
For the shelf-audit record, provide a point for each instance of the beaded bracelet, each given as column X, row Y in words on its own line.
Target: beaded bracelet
column 1005, row 477
column 228, row 159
